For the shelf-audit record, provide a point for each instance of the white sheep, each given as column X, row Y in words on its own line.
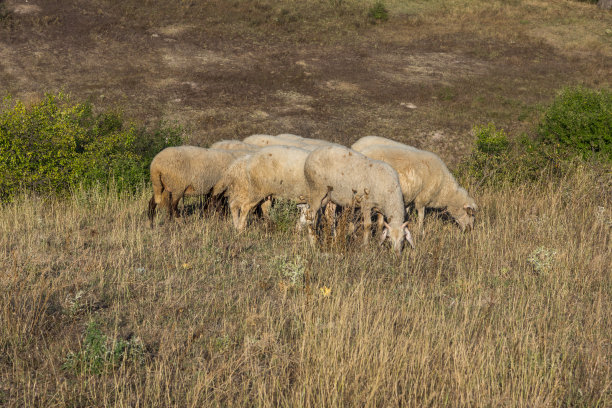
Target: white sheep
column 268, row 140
column 367, row 141
column 234, row 145
column 426, row 181
column 303, row 140
column 186, row 171
column 343, row 176
column 276, row 171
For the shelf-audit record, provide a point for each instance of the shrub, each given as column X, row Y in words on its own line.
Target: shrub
column 378, row 12
column 579, row 121
column 99, row 354
column 56, row 145
column 497, row 160
column 284, row 214
column 491, row 141
column 490, row 151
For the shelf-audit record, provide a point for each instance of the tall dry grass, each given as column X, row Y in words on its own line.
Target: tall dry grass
column 515, row 313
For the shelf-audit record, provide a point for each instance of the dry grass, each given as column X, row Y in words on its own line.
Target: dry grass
column 516, row 313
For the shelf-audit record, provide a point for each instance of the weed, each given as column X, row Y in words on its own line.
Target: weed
column 291, row 268
column 284, row 215
column 98, row 354
column 74, row 303
column 378, row 12
column 4, row 13
column 541, row 259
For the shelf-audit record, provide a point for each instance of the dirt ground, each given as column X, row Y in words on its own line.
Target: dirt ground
column 229, row 69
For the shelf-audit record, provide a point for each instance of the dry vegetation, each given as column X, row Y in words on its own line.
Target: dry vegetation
column 98, row 309
column 515, row 313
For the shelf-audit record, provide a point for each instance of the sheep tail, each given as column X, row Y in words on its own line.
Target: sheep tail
column 156, row 198
column 158, row 186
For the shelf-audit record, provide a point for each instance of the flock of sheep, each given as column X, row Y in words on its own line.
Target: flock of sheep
column 376, row 175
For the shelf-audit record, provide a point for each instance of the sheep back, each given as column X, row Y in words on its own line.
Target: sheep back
column 367, row 141
column 348, row 173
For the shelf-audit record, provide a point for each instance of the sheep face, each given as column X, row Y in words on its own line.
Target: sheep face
column 397, row 234
column 464, row 216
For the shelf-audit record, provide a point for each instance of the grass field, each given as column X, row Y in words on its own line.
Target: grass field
column 515, row 313
column 98, row 309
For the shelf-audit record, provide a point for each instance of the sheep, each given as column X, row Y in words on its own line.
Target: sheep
column 233, row 145
column 341, row 175
column 304, row 140
column 268, row 140
column 276, row 171
column 374, row 140
column 426, row 181
column 186, row 171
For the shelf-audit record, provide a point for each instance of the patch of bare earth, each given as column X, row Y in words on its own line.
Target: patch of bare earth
column 420, row 83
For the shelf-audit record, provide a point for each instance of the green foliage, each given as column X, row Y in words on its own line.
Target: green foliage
column 378, row 12
column 56, row 145
column 577, row 126
column 579, row 121
column 490, row 151
column 490, row 141
column 98, row 354
column 4, row 13
column 497, row 160
column 293, row 269
column 284, row 215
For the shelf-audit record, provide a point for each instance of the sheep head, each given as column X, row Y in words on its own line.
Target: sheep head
column 464, row 216
column 397, row 234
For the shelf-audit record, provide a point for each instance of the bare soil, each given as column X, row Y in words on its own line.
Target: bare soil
column 229, row 69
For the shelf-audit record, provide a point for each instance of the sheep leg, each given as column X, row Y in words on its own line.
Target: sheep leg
column 175, row 203
column 303, row 208
column 265, row 208
column 167, row 200
column 311, row 221
column 421, row 212
column 367, row 224
column 235, row 210
column 245, row 209
column 330, row 216
column 380, row 222
column 152, row 206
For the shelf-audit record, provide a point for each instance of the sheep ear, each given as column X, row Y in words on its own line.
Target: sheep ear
column 408, row 237
column 470, row 210
column 384, row 234
column 386, row 225
column 404, row 225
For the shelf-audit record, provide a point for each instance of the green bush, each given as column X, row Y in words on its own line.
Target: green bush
column 575, row 127
column 378, row 12
column 56, row 145
column 497, row 160
column 579, row 121
column 491, row 141
column 99, row 354
column 284, row 215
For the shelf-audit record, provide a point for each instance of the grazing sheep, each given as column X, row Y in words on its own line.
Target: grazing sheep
column 276, row 171
column 186, row 171
column 340, row 175
column 289, row 136
column 303, row 140
column 268, row 140
column 367, row 141
column 425, row 179
column 234, row 145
